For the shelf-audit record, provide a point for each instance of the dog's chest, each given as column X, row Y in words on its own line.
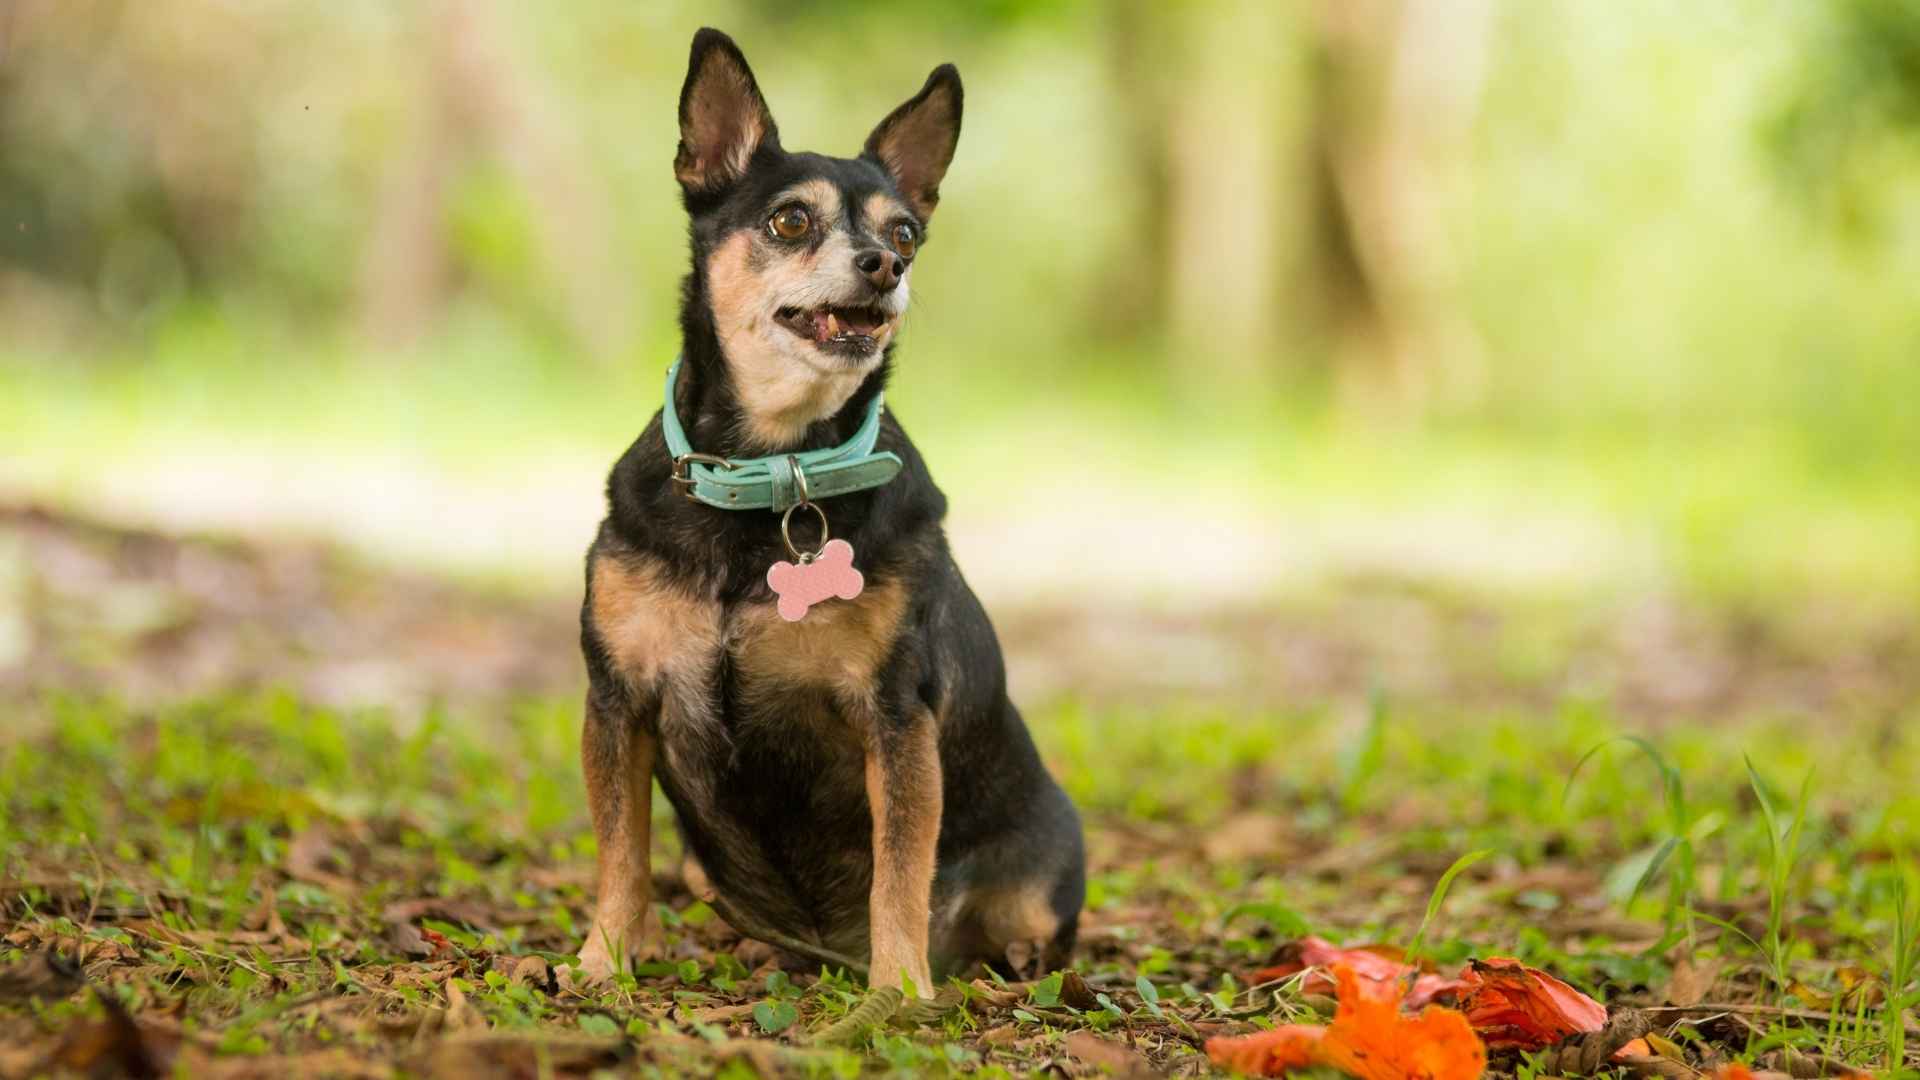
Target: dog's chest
column 760, row 683
column 837, row 649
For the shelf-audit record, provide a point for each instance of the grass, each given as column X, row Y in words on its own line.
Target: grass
column 252, row 879
column 249, row 865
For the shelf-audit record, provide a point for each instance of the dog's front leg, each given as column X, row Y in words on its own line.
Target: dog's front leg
column 616, row 752
column 903, row 791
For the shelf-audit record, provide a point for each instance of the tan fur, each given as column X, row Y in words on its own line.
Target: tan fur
column 880, row 209
column 620, row 792
column 839, row 646
column 651, row 629
column 1022, row 914
column 821, row 198
column 904, row 792
column 783, row 381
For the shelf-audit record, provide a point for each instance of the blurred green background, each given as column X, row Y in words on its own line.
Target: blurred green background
column 1608, row 295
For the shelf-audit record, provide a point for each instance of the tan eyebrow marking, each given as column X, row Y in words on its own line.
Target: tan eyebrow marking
column 820, row 195
column 881, row 208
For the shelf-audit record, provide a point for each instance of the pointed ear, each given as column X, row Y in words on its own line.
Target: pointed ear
column 723, row 118
column 915, row 142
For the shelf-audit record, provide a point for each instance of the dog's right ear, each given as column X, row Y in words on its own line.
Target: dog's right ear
column 723, row 118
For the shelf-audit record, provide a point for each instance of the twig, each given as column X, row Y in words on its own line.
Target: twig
column 792, row 944
column 1710, row 1008
column 880, row 1006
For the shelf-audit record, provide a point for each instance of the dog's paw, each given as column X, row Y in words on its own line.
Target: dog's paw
column 598, row 961
column 593, row 967
column 913, row 980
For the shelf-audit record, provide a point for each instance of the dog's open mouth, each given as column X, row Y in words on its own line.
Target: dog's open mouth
column 849, row 331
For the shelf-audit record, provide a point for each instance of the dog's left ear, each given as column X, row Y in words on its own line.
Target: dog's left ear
column 915, row 142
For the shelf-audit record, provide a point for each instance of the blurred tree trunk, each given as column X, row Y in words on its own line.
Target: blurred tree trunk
column 1134, row 292
column 1396, row 91
column 482, row 103
column 1224, row 160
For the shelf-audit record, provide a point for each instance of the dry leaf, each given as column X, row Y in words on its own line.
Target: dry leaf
column 1511, row 1004
column 1247, row 835
column 45, row 975
column 306, row 861
column 460, row 1011
column 1369, row 1038
column 1074, row 991
column 1692, row 982
column 1107, row 1055
column 532, row 971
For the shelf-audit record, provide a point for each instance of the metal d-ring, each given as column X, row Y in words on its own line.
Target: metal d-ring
column 799, row 478
column 803, row 558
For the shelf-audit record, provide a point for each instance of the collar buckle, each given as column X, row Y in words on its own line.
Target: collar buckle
column 683, row 469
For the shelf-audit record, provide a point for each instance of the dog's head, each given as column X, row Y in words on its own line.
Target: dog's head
column 803, row 261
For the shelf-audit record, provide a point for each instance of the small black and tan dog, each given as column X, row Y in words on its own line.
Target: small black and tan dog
column 856, row 782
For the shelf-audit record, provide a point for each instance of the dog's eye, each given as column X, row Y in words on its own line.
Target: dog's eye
column 789, row 222
column 904, row 240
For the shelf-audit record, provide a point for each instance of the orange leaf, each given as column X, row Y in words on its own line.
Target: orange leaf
column 1380, row 963
column 1369, row 1038
column 1268, row 1053
column 1634, row 1048
column 1511, row 1004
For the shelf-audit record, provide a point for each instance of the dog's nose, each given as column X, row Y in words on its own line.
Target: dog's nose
column 882, row 268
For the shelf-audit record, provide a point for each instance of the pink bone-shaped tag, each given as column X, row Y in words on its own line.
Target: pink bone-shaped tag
column 802, row 585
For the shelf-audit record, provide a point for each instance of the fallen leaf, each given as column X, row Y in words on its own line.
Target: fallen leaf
column 1511, row 1004
column 1074, row 991
column 532, row 971
column 1107, row 1055
column 307, row 858
column 1269, row 1053
column 480, row 918
column 1741, row 1072
column 717, row 1014
column 45, row 975
column 460, row 1011
column 1246, row 835
column 1002, row 1035
column 1369, row 1038
column 115, row 1045
column 1379, row 963
column 1692, row 982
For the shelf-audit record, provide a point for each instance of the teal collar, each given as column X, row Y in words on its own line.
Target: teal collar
column 777, row 481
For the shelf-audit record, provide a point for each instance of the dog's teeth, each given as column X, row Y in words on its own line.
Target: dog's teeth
column 833, row 325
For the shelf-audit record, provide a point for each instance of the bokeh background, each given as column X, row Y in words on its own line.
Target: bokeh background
column 1383, row 432
column 1610, row 304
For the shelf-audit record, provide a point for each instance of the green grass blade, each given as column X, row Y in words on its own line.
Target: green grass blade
column 1653, row 869
column 1439, row 897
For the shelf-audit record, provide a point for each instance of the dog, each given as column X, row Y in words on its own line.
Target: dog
column 854, row 782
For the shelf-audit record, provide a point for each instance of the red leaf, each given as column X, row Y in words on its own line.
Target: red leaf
column 1377, row 963
column 1511, row 1004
